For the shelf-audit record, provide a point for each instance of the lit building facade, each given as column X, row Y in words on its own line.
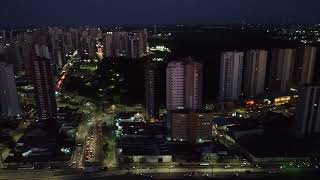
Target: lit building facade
column 184, row 85
column 175, row 85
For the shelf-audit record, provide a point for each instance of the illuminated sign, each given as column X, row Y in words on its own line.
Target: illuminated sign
column 282, row 100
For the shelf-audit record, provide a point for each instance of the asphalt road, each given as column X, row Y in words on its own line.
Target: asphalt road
column 155, row 173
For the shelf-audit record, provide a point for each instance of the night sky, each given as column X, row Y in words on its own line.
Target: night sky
column 130, row 12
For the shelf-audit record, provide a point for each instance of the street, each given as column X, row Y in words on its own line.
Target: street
column 174, row 172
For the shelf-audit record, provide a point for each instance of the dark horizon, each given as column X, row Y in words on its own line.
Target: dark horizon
column 17, row 13
column 124, row 26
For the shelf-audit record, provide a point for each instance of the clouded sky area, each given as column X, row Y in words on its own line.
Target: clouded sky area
column 129, row 12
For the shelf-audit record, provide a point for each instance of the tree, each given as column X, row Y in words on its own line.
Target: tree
column 105, row 147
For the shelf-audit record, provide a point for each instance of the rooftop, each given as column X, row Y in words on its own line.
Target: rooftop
column 143, row 146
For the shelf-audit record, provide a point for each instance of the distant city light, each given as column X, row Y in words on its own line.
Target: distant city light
column 160, row 48
column 65, row 150
column 251, row 102
column 26, row 154
column 157, row 59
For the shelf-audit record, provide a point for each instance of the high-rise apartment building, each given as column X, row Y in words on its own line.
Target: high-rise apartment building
column 184, row 85
column 304, row 65
column 138, row 44
column 44, row 88
column 108, row 51
column 175, row 85
column 193, row 85
column 255, row 72
column 120, row 43
column 308, row 111
column 9, row 104
column 231, row 67
column 134, row 46
column 281, row 70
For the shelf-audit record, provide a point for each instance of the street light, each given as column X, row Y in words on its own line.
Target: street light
column 211, row 162
column 170, row 169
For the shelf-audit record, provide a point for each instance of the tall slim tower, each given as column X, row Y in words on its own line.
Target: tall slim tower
column 255, row 72
column 108, row 51
column 193, row 85
column 133, row 46
column 8, row 91
column 184, row 85
column 231, row 68
column 281, row 70
column 308, row 111
column 44, row 88
column 152, row 91
column 144, row 41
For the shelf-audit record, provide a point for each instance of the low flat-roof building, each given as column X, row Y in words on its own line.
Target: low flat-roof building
column 143, row 150
column 191, row 126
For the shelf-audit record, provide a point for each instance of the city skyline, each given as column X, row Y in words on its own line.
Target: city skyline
column 158, row 102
